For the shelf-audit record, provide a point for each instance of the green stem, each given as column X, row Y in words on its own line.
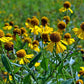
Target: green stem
column 32, row 74
column 61, row 61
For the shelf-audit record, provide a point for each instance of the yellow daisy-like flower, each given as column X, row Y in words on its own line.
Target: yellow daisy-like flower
column 81, row 72
column 5, row 76
column 66, row 7
column 7, row 27
column 34, row 46
column 68, row 39
column 22, row 57
column 45, row 37
column 46, row 29
column 1, row 33
column 37, row 64
column 79, row 81
column 23, row 30
column 55, row 38
column 35, row 30
column 79, row 31
column 6, row 39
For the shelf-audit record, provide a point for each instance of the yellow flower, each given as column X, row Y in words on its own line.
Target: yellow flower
column 79, row 31
column 5, row 76
column 46, row 29
column 82, row 68
column 35, row 30
column 23, row 30
column 45, row 37
column 37, row 64
column 8, row 35
column 1, row 33
column 34, row 46
column 67, row 4
column 27, row 40
column 79, row 81
column 6, row 39
column 55, row 38
column 65, row 9
column 16, row 31
column 22, row 57
column 34, row 21
column 68, row 39
column 7, row 27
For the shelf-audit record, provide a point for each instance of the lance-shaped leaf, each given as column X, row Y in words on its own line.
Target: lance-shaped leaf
column 27, row 79
column 44, row 64
column 33, row 61
column 6, row 63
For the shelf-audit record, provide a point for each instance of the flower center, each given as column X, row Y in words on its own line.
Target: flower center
column 21, row 53
column 67, row 35
column 55, row 37
column 67, row 4
column 82, row 26
column 61, row 25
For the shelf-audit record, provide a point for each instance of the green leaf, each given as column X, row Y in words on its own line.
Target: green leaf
column 44, row 64
column 6, row 63
column 60, row 68
column 33, row 61
column 27, row 79
column 16, row 69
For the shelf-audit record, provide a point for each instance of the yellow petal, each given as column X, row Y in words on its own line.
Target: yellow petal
column 21, row 61
column 50, row 46
column 29, row 56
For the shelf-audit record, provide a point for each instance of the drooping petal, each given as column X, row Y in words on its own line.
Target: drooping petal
column 21, row 61
column 60, row 47
column 29, row 56
column 26, row 60
column 50, row 46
